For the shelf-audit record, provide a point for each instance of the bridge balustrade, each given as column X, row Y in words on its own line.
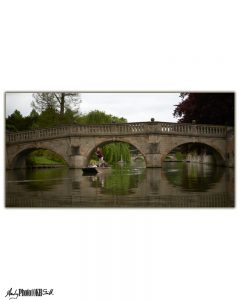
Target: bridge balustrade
column 163, row 128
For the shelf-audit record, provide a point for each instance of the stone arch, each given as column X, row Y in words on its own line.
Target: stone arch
column 112, row 140
column 19, row 160
column 216, row 152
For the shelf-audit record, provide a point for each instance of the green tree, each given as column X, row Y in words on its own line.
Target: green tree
column 206, row 108
column 70, row 116
column 99, row 117
column 16, row 122
column 34, row 114
column 13, row 121
column 48, row 118
column 60, row 102
column 117, row 151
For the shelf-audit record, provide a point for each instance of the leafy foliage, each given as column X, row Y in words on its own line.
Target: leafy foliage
column 16, row 122
column 50, row 118
column 59, row 102
column 206, row 108
column 99, row 117
column 115, row 152
column 44, row 157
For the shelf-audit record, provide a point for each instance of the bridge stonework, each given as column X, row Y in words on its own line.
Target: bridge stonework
column 154, row 140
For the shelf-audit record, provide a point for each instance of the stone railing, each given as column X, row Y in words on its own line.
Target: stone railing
column 118, row 129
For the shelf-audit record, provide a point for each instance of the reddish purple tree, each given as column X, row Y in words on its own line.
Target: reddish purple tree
column 206, row 108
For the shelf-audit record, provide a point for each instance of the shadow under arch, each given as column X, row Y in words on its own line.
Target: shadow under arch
column 200, row 149
column 114, row 140
column 19, row 161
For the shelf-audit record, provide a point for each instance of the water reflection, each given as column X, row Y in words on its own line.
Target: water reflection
column 174, row 185
column 192, row 176
column 37, row 180
column 120, row 181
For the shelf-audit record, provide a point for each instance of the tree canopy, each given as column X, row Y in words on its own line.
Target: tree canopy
column 206, row 108
column 50, row 117
column 117, row 151
column 59, row 102
column 16, row 122
column 99, row 117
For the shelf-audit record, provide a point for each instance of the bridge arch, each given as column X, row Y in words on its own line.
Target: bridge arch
column 19, row 160
column 215, row 152
column 115, row 140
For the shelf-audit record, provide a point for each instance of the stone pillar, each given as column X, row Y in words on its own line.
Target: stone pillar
column 77, row 161
column 153, row 156
column 153, row 160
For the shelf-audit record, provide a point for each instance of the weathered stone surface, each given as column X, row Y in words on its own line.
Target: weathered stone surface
column 75, row 144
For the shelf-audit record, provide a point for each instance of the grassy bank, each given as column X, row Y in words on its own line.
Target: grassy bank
column 44, row 157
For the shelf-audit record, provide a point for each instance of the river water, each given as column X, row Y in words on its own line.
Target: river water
column 176, row 184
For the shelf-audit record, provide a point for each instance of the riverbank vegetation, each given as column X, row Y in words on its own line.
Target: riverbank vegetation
column 44, row 157
column 114, row 153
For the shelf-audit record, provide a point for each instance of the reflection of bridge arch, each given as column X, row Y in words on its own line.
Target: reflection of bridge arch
column 192, row 177
column 153, row 190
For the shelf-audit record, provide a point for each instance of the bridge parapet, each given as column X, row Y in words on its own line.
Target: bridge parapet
column 162, row 128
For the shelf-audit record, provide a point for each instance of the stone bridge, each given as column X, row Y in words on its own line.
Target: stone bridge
column 76, row 143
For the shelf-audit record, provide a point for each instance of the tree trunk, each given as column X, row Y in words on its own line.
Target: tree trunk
column 62, row 104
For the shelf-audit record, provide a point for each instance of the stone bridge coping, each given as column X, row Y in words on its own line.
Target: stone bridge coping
column 140, row 128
